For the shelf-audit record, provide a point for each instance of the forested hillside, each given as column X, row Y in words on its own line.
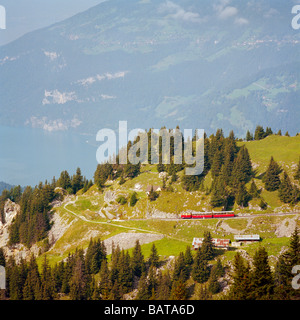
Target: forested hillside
column 65, row 228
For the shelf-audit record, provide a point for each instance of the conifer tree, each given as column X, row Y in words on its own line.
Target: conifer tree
column 242, row 196
column 253, row 190
column 189, row 260
column 268, row 131
column 180, row 268
column 283, row 271
column 105, row 283
column 249, row 136
column 242, row 168
column 241, row 286
column 137, row 260
column 200, row 271
column 207, row 248
column 133, row 199
column 143, row 288
column 164, row 284
column 213, row 283
column 262, row 278
column 77, row 181
column 219, row 268
column 217, row 162
column 64, row 180
column 179, row 289
column 219, row 194
column 154, row 257
column 47, row 282
column 202, row 292
column 32, row 286
column 259, row 133
column 115, row 256
column 271, row 177
column 125, row 274
column 286, row 189
column 152, row 281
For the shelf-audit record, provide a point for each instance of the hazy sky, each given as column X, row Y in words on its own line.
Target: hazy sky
column 23, row 16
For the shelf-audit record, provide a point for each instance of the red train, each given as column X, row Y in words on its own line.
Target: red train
column 208, row 215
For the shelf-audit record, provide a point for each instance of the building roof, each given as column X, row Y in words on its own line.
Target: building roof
column 247, row 237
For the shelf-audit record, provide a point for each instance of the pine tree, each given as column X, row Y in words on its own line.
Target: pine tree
column 154, row 257
column 241, row 286
column 242, row 196
column 125, row 275
column 180, row 268
column 32, row 286
column 200, row 271
column 259, row 133
column 143, row 288
column 262, row 278
column 219, row 195
column 64, row 180
column 105, row 282
column 253, row 190
column 164, row 284
column 202, row 292
column 47, row 282
column 219, row 268
column 271, row 177
column 137, row 260
column 283, row 271
column 115, row 256
column 242, row 168
column 286, row 189
column 78, row 283
column 207, row 248
column 133, row 199
column 249, row 136
column 179, row 289
column 189, row 260
column 216, row 164
column 77, row 181
column 213, row 283
column 269, row 131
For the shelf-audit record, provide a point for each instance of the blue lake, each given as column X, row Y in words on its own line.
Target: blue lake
column 28, row 156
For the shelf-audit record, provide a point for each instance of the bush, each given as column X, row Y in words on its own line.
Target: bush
column 122, row 200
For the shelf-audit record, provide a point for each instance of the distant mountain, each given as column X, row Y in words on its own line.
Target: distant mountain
column 197, row 64
column 4, row 186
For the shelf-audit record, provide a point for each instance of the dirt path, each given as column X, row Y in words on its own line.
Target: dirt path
column 116, row 225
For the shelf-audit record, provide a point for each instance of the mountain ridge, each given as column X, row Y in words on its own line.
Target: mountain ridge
column 156, row 63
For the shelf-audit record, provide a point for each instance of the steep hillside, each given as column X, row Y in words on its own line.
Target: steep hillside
column 100, row 214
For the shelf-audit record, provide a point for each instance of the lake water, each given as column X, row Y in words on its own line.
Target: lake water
column 28, row 156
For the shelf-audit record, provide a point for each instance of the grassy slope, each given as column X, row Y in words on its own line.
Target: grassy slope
column 179, row 234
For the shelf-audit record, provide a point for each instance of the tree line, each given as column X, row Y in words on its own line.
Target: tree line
column 230, row 167
column 91, row 276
